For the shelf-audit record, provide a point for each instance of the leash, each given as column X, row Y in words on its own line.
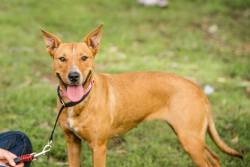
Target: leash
column 48, row 146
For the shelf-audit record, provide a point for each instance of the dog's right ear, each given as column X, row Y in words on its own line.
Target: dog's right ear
column 51, row 41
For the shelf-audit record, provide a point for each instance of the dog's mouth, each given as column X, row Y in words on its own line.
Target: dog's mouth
column 74, row 92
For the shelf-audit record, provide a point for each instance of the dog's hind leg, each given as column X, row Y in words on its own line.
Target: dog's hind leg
column 190, row 125
column 198, row 151
column 191, row 134
column 212, row 157
column 195, row 148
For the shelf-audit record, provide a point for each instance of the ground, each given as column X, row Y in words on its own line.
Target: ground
column 205, row 41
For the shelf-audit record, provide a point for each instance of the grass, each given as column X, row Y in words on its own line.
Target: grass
column 206, row 41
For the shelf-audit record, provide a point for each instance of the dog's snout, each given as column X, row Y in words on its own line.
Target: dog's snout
column 74, row 76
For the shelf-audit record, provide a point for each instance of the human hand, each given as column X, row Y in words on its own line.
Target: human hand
column 7, row 159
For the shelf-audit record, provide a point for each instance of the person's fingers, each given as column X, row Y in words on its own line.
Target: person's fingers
column 10, row 158
column 4, row 153
column 20, row 165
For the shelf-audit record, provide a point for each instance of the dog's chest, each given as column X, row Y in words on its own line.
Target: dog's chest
column 79, row 124
column 72, row 121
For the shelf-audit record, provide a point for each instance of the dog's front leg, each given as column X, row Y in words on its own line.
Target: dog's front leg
column 74, row 149
column 99, row 155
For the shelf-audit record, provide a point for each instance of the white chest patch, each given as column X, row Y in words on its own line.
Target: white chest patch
column 71, row 121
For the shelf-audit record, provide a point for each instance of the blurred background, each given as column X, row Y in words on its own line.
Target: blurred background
column 207, row 41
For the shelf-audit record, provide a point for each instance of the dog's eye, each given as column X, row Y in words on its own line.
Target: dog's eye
column 62, row 59
column 84, row 58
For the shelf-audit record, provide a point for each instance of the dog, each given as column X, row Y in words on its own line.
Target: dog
column 119, row 102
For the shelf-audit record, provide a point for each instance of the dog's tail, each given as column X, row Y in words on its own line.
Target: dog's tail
column 218, row 141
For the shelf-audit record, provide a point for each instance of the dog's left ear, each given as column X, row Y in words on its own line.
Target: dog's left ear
column 93, row 39
column 51, row 41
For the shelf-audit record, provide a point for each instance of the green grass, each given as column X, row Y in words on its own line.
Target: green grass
column 136, row 38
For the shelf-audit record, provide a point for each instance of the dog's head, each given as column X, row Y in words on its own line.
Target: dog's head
column 73, row 63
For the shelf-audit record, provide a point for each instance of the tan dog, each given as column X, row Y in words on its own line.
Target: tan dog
column 119, row 102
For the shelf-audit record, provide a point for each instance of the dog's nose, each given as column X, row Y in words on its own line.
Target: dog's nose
column 74, row 76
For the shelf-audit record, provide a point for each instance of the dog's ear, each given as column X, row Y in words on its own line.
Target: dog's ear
column 93, row 39
column 51, row 41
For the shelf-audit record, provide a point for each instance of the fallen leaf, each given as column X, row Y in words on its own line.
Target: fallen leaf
column 235, row 139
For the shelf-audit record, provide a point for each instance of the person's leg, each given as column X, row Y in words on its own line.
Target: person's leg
column 16, row 142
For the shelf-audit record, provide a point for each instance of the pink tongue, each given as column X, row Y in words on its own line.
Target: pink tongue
column 75, row 93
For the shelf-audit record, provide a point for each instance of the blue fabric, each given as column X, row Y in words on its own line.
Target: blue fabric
column 16, row 142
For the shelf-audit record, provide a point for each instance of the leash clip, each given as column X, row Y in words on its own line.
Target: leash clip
column 45, row 150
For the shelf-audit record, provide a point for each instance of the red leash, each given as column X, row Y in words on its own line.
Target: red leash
column 24, row 158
